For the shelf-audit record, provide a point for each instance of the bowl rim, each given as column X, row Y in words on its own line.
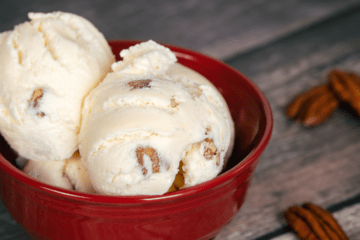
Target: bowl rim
column 246, row 162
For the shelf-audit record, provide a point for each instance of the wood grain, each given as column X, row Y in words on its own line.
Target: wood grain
column 218, row 28
column 285, row 47
column 319, row 164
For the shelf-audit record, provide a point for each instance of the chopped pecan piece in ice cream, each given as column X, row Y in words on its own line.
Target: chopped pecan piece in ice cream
column 152, row 154
column 34, row 100
column 138, row 84
column 173, row 102
column 37, row 94
column 210, row 150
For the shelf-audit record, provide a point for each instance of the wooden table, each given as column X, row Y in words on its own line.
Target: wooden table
column 285, row 47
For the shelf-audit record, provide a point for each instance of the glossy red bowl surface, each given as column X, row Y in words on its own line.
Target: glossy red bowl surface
column 199, row 212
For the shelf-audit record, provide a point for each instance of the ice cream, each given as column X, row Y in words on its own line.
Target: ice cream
column 47, row 66
column 69, row 173
column 147, row 118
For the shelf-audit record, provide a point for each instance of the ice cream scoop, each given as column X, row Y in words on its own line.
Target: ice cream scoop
column 149, row 117
column 69, row 174
column 47, row 66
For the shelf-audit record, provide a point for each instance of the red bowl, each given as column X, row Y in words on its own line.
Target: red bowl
column 199, row 212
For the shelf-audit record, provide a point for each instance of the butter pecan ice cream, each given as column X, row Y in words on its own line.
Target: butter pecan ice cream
column 151, row 121
column 69, row 173
column 47, row 66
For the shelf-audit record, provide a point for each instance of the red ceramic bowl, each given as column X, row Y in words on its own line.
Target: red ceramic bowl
column 199, row 212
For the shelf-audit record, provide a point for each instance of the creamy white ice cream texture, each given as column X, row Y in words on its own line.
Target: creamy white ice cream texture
column 69, row 173
column 145, row 117
column 47, row 66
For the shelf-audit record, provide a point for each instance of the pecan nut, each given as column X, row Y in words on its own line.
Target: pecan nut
column 138, row 84
column 173, row 102
column 211, row 151
column 310, row 221
column 313, row 107
column 152, row 154
column 34, row 100
column 346, row 85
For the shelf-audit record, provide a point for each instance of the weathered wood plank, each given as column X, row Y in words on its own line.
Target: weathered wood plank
column 217, row 28
column 319, row 164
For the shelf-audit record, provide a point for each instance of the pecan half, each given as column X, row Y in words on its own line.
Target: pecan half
column 34, row 100
column 150, row 152
column 347, row 87
column 310, row 221
column 138, row 84
column 327, row 218
column 313, row 106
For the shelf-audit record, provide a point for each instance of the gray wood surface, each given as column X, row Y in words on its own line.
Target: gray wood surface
column 285, row 47
column 217, row 28
column 319, row 164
